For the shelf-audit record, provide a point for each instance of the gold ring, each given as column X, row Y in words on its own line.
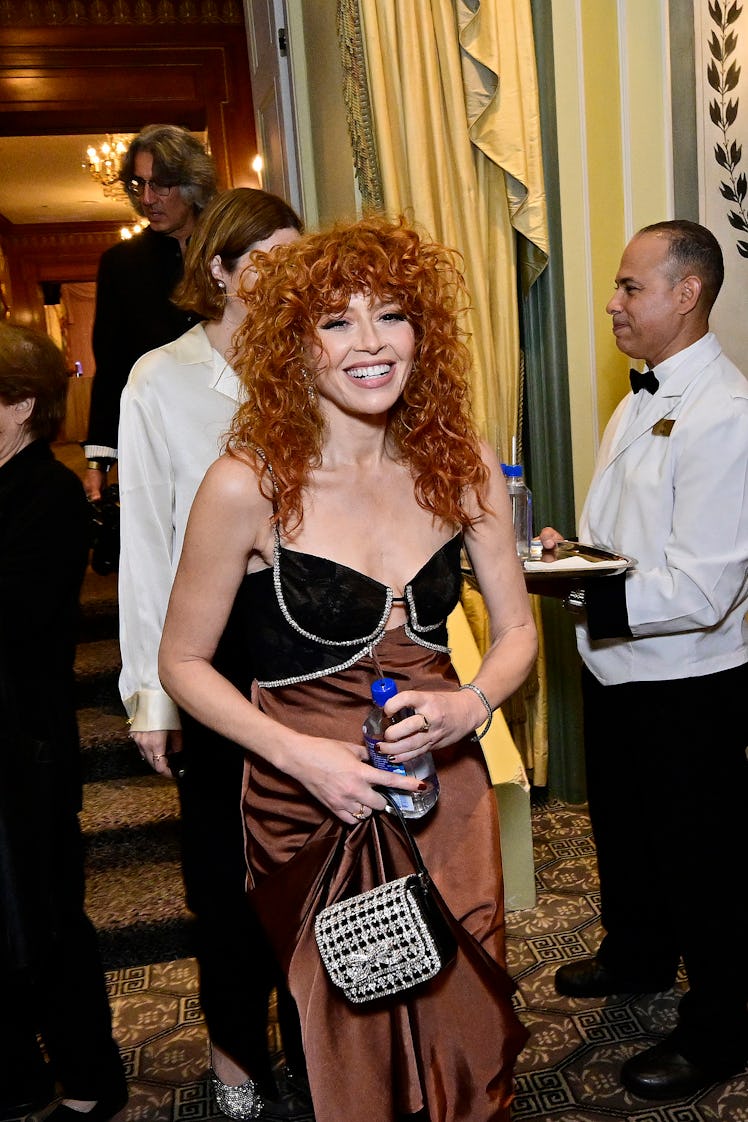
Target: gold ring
column 361, row 814
column 161, row 757
column 426, row 722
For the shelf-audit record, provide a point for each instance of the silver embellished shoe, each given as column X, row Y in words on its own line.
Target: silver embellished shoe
column 244, row 1101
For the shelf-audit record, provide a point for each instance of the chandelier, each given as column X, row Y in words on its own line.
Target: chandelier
column 104, row 163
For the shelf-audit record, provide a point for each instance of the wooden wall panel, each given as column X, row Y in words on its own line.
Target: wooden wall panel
column 104, row 66
column 54, row 252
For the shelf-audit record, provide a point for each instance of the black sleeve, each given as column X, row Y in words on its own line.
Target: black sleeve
column 112, row 326
column 45, row 549
column 134, row 314
column 607, row 613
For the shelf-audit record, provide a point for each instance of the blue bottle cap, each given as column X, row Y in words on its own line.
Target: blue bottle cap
column 383, row 689
column 512, row 471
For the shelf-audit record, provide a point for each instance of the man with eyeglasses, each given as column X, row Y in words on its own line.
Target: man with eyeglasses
column 169, row 178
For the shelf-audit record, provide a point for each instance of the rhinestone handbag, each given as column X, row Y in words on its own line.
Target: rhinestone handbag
column 388, row 939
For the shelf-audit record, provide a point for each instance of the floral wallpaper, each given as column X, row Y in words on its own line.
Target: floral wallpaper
column 721, row 55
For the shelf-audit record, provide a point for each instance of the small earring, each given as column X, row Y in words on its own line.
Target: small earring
column 311, row 389
column 221, row 285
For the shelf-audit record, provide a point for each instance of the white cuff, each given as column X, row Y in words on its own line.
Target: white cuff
column 151, row 711
column 99, row 452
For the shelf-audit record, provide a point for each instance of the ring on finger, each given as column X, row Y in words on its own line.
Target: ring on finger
column 426, row 722
column 161, row 756
column 360, row 814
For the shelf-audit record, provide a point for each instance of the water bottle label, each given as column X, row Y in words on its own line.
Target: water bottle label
column 384, row 763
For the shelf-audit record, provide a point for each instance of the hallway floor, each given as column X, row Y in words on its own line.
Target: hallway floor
column 568, row 1070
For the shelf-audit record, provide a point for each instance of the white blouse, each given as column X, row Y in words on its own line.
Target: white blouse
column 176, row 409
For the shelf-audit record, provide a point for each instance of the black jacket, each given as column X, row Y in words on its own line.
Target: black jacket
column 134, row 314
column 44, row 530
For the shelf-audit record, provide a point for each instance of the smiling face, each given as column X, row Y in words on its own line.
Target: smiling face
column 650, row 306
column 365, row 357
column 167, row 214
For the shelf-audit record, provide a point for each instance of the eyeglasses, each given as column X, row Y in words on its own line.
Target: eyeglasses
column 136, row 187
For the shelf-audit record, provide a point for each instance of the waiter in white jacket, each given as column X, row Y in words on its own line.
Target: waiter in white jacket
column 665, row 674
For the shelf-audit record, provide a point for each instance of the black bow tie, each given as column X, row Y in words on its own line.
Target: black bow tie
column 646, row 381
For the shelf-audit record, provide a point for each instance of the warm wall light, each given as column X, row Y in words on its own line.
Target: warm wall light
column 128, row 232
column 257, row 166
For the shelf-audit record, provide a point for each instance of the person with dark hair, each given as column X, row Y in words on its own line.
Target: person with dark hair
column 665, row 668
column 176, row 408
column 169, row 179
column 51, row 977
column 323, row 551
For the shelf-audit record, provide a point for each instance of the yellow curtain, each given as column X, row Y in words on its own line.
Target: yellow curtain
column 452, row 92
column 448, row 118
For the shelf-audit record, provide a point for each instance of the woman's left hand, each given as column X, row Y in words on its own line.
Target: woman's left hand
column 441, row 718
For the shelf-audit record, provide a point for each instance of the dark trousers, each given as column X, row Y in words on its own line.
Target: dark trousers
column 62, row 994
column 667, row 782
column 237, row 966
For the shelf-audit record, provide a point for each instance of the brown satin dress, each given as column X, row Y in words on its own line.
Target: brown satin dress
column 447, row 1046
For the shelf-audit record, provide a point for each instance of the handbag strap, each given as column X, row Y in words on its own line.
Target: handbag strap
column 392, row 802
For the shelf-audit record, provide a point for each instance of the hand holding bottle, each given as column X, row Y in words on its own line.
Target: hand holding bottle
column 416, row 803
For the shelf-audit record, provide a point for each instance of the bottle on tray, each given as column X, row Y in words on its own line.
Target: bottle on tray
column 521, row 500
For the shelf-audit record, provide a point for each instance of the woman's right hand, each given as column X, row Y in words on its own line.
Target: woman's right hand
column 340, row 777
column 158, row 748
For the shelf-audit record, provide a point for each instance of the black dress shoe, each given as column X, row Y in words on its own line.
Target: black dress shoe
column 104, row 1109
column 590, row 978
column 662, row 1073
column 294, row 1100
column 28, row 1093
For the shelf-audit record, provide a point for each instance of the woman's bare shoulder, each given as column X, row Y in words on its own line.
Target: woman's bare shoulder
column 232, row 483
column 233, row 474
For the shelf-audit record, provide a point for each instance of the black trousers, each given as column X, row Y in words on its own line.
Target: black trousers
column 667, row 782
column 237, row 966
column 62, row 994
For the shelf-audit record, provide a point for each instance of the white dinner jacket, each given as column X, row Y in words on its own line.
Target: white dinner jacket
column 670, row 490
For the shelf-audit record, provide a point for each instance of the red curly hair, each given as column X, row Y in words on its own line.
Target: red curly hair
column 429, row 427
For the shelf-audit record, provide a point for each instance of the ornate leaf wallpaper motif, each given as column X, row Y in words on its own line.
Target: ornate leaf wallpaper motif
column 723, row 75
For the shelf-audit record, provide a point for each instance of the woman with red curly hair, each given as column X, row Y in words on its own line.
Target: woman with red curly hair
column 324, row 547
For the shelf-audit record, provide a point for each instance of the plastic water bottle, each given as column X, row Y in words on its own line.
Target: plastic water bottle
column 413, row 804
column 521, row 499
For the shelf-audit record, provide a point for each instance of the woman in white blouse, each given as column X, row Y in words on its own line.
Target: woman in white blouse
column 176, row 407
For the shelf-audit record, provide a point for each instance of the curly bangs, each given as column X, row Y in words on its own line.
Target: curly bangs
column 430, row 426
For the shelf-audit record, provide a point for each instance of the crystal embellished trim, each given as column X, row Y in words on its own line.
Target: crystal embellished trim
column 369, row 641
column 375, row 634
column 310, row 677
column 425, row 643
column 244, row 1101
column 414, row 614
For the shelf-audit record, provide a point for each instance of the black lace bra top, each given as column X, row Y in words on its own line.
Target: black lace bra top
column 308, row 616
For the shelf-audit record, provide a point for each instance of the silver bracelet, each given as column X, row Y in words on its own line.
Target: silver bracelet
column 479, row 692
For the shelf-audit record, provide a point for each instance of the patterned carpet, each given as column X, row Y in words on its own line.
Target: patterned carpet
column 567, row 1072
